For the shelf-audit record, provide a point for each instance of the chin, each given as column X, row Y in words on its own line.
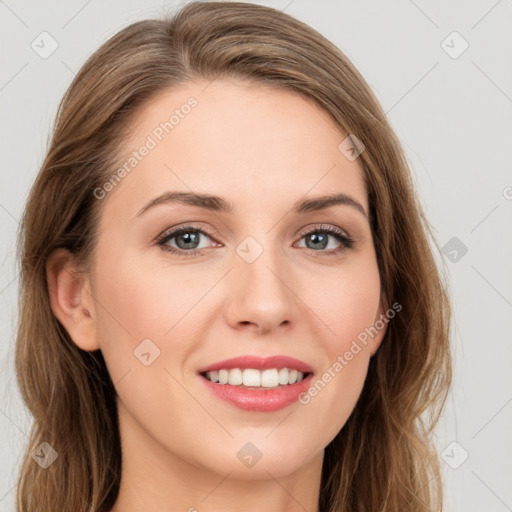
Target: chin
column 261, row 460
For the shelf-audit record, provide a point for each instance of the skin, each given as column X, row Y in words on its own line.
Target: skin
column 262, row 149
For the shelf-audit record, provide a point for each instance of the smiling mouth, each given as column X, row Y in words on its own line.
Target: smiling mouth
column 253, row 378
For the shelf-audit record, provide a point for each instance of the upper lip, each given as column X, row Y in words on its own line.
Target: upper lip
column 259, row 363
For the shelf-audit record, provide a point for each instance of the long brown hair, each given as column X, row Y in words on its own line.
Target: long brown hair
column 383, row 458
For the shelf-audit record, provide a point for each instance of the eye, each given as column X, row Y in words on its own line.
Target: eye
column 186, row 241
column 318, row 240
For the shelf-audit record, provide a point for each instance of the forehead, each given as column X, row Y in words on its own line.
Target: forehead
column 253, row 143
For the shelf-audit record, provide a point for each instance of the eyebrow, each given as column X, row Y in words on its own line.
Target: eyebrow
column 219, row 204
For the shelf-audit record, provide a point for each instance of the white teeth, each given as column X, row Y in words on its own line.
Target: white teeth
column 251, row 377
column 235, row 377
column 269, row 378
column 283, row 376
column 223, row 376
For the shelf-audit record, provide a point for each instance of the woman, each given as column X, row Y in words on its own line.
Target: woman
column 228, row 296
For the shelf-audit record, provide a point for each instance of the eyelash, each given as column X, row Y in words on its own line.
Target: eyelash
column 346, row 242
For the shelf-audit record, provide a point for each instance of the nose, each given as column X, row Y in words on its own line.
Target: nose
column 261, row 294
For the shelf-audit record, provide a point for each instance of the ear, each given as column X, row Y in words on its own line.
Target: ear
column 71, row 299
column 380, row 324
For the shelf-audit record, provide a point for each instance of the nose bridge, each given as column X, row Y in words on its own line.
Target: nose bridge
column 261, row 294
column 260, row 261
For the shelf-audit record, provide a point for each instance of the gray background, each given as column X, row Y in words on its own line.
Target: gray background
column 453, row 116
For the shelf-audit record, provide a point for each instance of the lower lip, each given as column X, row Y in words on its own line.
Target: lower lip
column 265, row 400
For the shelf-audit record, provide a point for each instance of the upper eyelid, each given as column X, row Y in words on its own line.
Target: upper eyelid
column 172, row 232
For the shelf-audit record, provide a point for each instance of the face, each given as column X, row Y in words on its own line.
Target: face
column 250, row 275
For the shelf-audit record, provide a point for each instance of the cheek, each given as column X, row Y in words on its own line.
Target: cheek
column 142, row 310
column 349, row 308
column 129, row 320
column 136, row 301
column 138, row 316
column 346, row 301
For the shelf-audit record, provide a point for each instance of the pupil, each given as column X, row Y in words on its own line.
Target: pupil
column 315, row 237
column 189, row 238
